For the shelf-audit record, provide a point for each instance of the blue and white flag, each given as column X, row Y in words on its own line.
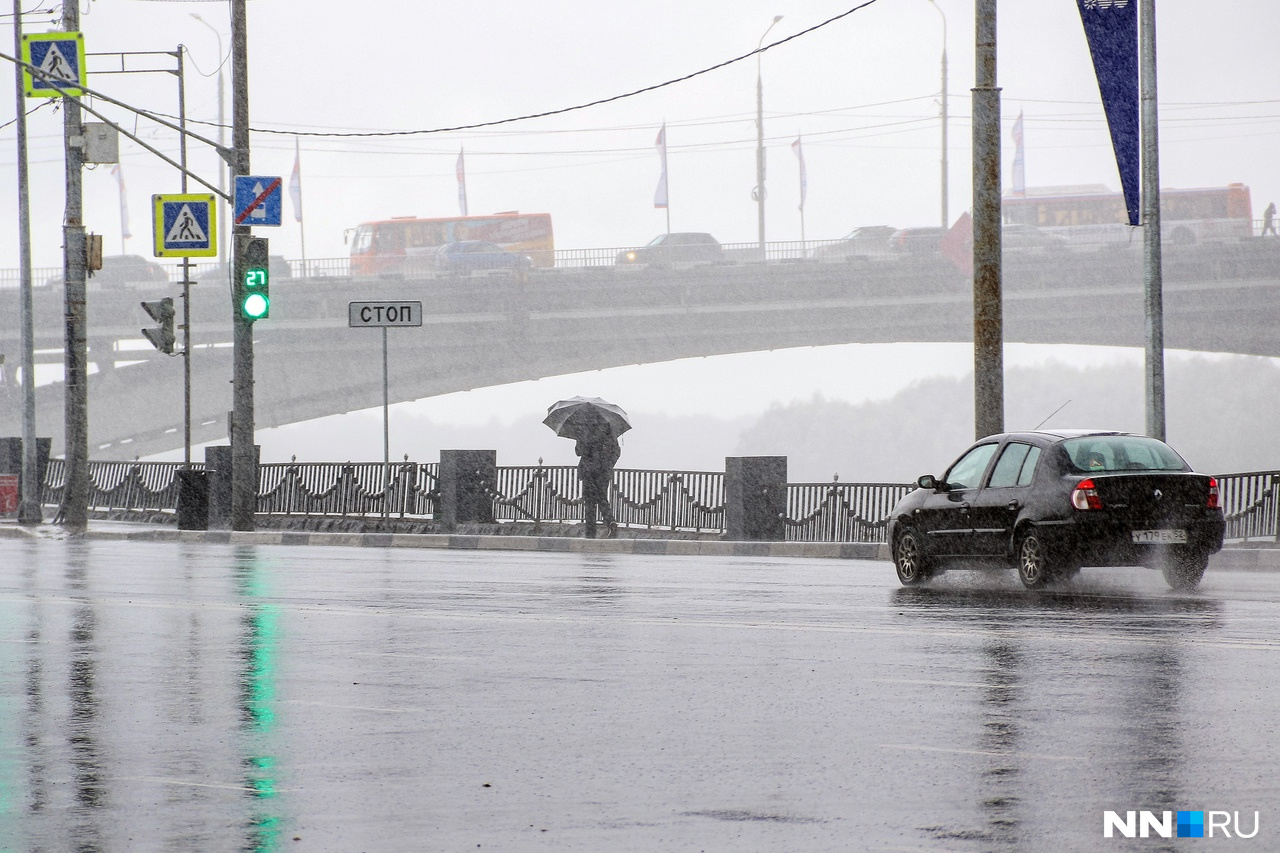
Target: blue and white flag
column 1111, row 27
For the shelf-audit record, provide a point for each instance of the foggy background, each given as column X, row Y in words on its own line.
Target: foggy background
column 864, row 94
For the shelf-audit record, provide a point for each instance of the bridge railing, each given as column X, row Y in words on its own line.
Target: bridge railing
column 646, row 499
column 689, row 501
column 1251, row 504
column 841, row 512
column 349, row 489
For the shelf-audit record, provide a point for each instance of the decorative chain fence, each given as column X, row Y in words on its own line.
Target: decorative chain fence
column 654, row 500
column 347, row 489
column 840, row 512
column 686, row 501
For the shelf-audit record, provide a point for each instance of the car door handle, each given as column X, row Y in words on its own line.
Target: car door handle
column 1013, row 506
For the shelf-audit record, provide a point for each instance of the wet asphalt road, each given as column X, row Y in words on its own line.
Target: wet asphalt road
column 213, row 697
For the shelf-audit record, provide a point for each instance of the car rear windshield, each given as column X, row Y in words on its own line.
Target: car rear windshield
column 1121, row 453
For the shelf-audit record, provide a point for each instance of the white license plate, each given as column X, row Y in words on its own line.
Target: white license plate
column 1160, row 537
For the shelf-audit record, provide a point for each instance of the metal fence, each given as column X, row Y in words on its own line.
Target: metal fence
column 1249, row 502
column 652, row 500
column 686, row 501
column 841, row 512
column 349, row 489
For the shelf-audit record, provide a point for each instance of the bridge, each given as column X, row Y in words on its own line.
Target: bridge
column 492, row 329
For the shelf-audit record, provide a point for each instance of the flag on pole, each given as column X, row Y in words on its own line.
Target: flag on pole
column 1111, row 27
column 660, row 195
column 124, row 203
column 462, row 184
column 295, row 182
column 1019, row 168
column 804, row 181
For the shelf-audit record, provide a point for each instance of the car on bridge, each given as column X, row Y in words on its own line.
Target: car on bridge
column 123, row 271
column 674, row 248
column 864, row 242
column 467, row 256
column 1049, row 502
column 926, row 240
column 1016, row 237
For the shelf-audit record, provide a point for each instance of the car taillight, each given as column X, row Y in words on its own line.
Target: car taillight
column 1085, row 496
column 1212, row 502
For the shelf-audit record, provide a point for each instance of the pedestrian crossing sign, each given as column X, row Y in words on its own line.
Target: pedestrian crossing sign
column 60, row 56
column 186, row 226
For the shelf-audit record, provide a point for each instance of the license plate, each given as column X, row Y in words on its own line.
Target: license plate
column 1160, row 537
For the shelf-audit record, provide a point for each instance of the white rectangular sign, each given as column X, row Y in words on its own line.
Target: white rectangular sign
column 384, row 314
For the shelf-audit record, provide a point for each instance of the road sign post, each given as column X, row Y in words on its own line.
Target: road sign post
column 384, row 315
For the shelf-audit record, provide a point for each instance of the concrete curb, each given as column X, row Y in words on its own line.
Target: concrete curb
column 469, row 542
column 1239, row 557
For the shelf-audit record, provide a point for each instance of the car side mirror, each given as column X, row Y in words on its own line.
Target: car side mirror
column 928, row 481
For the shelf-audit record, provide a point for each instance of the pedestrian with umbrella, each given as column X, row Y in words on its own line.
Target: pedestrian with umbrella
column 594, row 425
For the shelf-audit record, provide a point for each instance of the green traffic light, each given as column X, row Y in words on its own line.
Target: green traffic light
column 256, row 306
column 255, row 303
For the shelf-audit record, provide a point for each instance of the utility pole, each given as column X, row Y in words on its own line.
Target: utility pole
column 75, row 495
column 244, row 461
column 988, row 318
column 1152, row 274
column 759, row 193
column 29, row 511
column 946, row 214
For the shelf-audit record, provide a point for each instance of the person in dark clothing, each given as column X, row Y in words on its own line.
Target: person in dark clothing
column 1269, row 220
column 599, row 451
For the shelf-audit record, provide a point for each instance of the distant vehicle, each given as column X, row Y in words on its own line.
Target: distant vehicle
column 1049, row 502
column 673, row 248
column 1094, row 214
column 860, row 242
column 124, row 270
column 399, row 245
column 467, row 256
column 1028, row 238
column 277, row 267
column 916, row 241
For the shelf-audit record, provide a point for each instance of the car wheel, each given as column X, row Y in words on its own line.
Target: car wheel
column 1035, row 569
column 909, row 559
column 1184, row 570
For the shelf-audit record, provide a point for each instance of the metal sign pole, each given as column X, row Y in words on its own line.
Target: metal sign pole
column 386, row 430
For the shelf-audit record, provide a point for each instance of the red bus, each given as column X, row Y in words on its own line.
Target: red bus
column 404, row 243
column 1095, row 215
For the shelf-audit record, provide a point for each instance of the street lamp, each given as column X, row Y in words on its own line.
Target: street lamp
column 945, row 212
column 758, row 192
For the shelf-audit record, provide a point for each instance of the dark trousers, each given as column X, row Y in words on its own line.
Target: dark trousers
column 595, row 499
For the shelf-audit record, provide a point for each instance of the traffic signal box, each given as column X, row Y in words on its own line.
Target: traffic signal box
column 253, row 280
column 161, row 311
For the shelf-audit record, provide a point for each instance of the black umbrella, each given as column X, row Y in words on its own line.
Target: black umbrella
column 569, row 418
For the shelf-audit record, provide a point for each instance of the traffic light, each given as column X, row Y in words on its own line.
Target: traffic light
column 162, row 312
column 254, row 292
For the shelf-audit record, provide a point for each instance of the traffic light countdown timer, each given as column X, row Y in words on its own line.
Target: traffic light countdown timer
column 253, row 294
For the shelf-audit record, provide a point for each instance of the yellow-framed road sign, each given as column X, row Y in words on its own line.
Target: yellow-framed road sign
column 61, row 57
column 185, row 225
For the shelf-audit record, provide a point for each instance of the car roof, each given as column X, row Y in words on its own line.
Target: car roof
column 1058, row 434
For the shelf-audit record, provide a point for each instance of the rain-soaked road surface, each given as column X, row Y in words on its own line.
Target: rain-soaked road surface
column 214, row 697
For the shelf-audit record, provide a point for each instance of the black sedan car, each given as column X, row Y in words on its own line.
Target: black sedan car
column 1047, row 503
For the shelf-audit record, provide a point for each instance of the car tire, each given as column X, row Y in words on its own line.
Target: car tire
column 1185, row 569
column 909, row 560
column 1035, row 567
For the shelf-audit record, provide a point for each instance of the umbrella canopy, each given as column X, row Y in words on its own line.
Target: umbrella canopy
column 570, row 418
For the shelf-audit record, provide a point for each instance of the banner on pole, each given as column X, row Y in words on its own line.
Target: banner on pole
column 1111, row 26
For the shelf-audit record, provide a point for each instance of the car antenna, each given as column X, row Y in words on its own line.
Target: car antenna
column 1051, row 414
